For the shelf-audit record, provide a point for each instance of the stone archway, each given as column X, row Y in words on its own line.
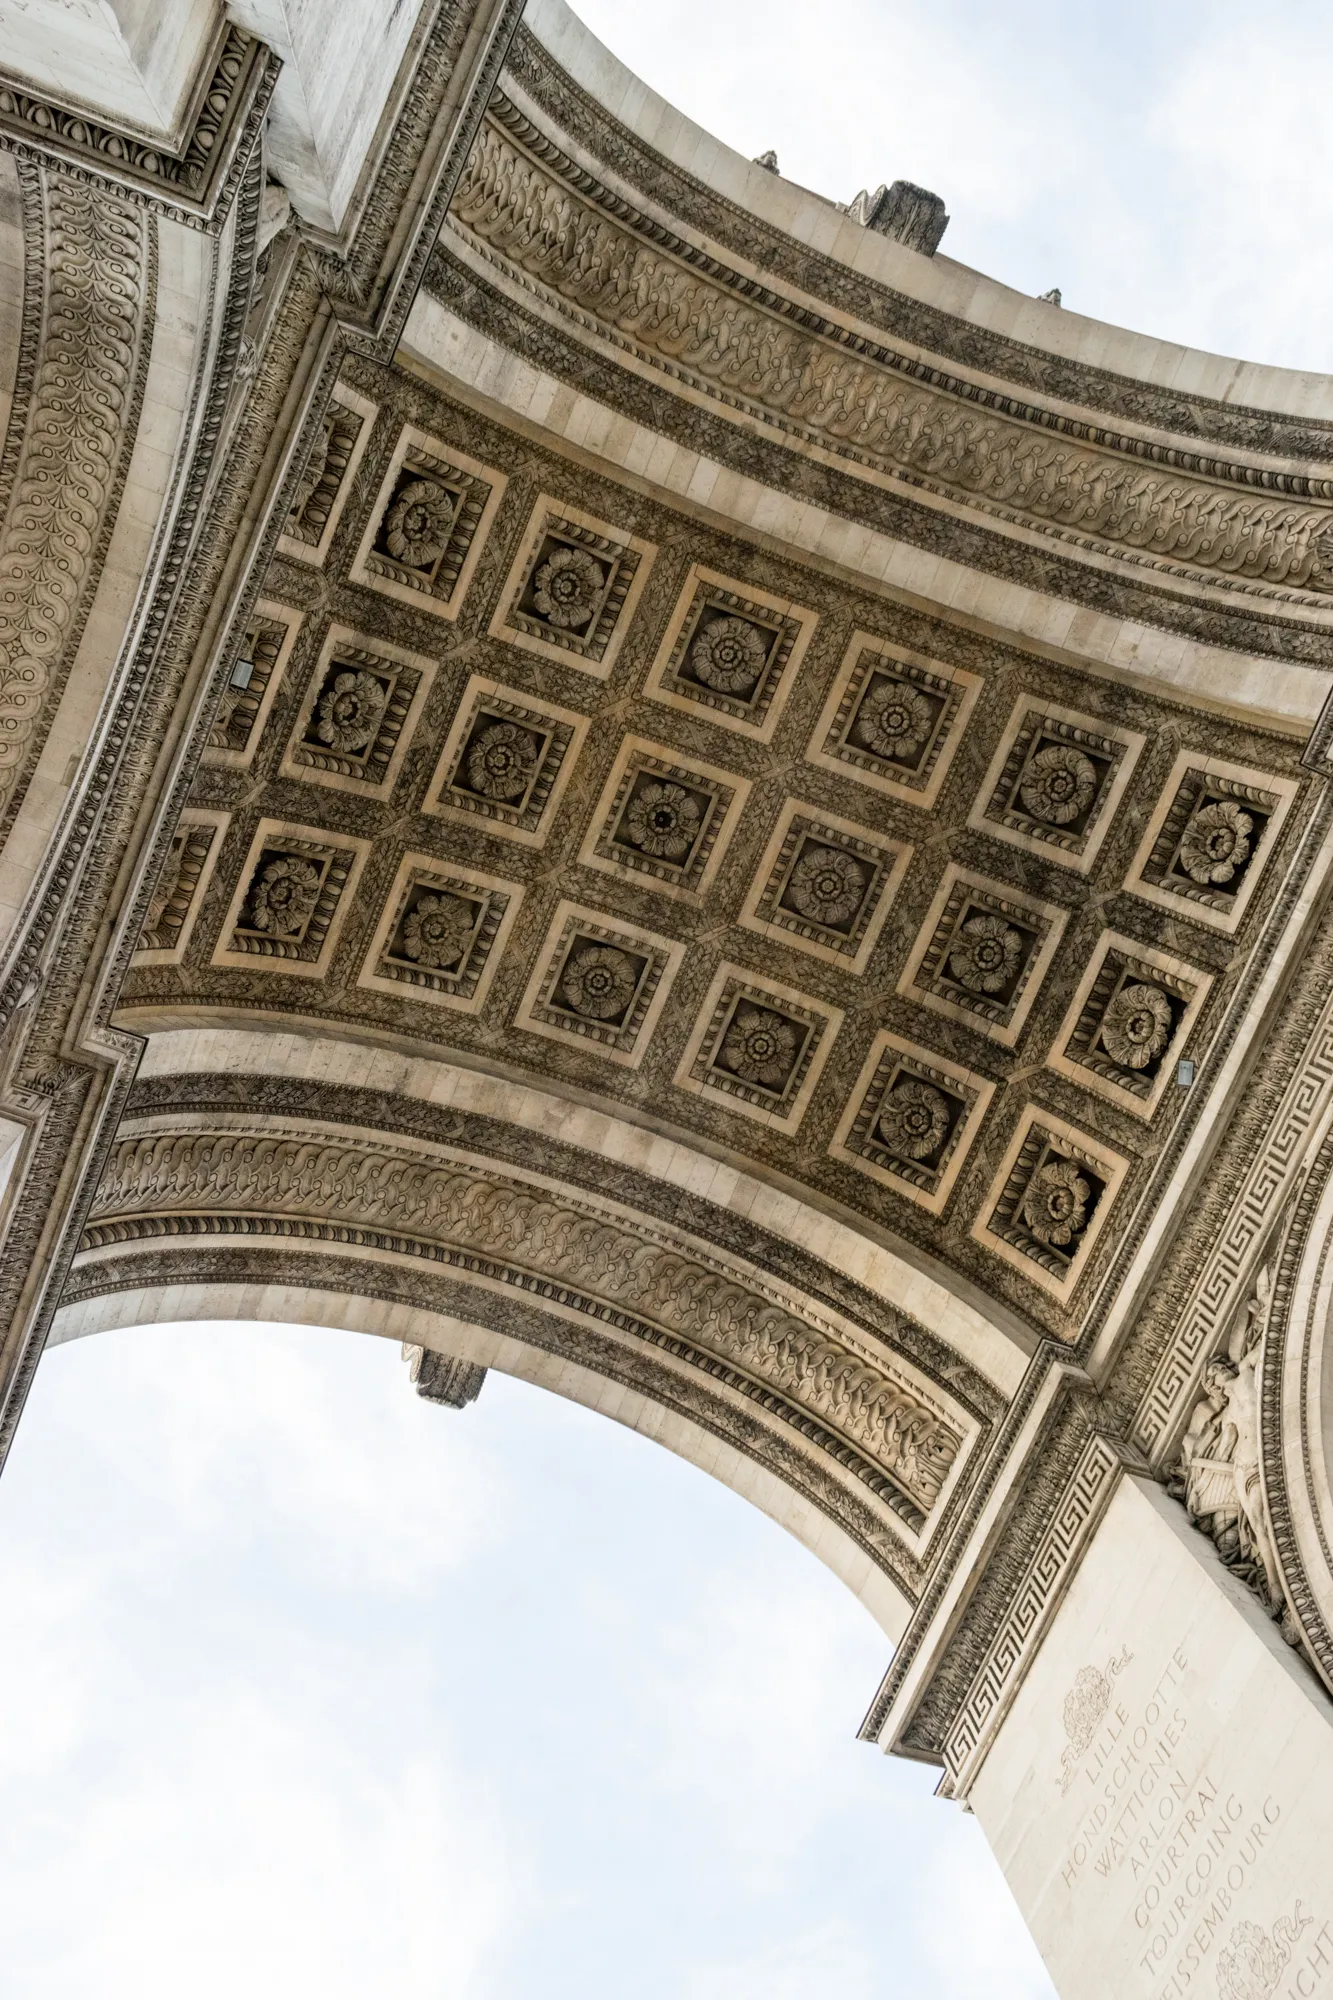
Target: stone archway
column 497, row 1222
column 636, row 780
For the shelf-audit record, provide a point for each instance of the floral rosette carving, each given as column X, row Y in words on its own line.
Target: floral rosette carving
column 985, row 954
column 1055, row 1203
column 1136, row 1027
column 1216, row 843
column 438, row 930
column 913, row 1119
column 664, row 821
column 502, row 762
column 350, row 712
column 418, row 525
column 760, row 1046
column 827, row 885
column 729, row 655
column 894, row 720
column 283, row 900
column 599, row 982
column 1059, row 784
column 568, row 588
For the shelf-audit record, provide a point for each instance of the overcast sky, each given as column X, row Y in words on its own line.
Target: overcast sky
column 315, row 1690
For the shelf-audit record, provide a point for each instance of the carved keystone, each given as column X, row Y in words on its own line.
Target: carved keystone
column 443, row 1378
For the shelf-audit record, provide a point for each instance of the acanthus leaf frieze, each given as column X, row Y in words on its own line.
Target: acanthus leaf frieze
column 624, row 279
column 481, row 1214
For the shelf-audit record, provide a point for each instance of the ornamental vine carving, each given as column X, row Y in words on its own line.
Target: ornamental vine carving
column 705, row 330
column 483, row 1215
column 96, row 265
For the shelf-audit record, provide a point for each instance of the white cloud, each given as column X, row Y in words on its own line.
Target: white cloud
column 325, row 1690
column 1168, row 167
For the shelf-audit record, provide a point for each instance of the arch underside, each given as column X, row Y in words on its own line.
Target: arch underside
column 267, row 1176
column 735, row 793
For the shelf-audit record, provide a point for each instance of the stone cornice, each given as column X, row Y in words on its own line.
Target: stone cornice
column 195, row 183
column 371, row 273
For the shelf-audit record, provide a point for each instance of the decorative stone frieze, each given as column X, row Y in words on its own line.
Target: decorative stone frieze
column 507, row 1230
column 89, row 353
column 643, row 288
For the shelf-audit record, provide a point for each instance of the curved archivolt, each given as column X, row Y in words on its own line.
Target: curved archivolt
column 479, row 1236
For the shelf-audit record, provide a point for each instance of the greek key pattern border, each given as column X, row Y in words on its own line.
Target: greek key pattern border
column 1031, row 1609
column 1217, row 1289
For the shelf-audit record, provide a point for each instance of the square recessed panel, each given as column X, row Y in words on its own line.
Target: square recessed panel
column 326, row 478
column 256, row 671
column 1209, row 840
column 1055, row 781
column 507, row 760
column 825, row 885
column 361, row 705
column 1050, row 1201
column 731, row 651
column 572, row 587
column 181, row 888
column 758, row 1047
column 664, row 817
column 1129, row 1022
column 291, row 899
column 441, row 933
column 982, row 954
column 893, row 719
column 428, row 525
column 911, row 1120
column 599, row 983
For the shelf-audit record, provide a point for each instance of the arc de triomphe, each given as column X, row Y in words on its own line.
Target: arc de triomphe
column 614, row 771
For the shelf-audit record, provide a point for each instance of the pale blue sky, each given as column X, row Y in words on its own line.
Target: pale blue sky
column 313, row 1689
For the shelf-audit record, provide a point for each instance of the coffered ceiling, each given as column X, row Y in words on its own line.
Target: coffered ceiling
column 517, row 763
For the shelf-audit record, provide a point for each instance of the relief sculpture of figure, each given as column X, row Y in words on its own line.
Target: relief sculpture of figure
column 1219, row 1476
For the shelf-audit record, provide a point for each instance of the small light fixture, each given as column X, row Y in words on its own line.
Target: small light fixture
column 1184, row 1073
